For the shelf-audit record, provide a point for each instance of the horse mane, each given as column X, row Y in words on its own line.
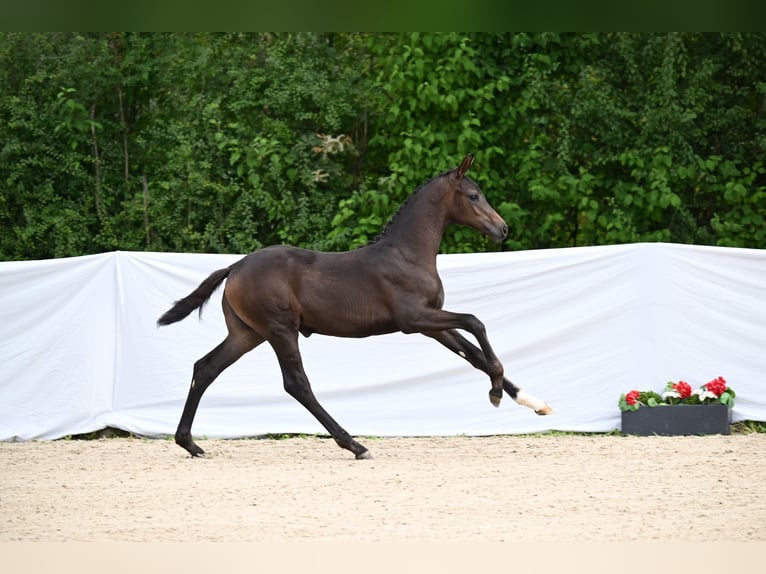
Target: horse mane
column 404, row 204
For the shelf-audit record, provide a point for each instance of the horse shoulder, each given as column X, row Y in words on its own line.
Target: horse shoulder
column 411, row 284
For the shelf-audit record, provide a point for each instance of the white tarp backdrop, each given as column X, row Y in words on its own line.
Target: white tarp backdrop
column 80, row 349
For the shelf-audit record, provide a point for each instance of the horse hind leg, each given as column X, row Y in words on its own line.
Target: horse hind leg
column 205, row 372
column 297, row 385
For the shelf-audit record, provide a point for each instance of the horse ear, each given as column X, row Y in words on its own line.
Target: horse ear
column 464, row 165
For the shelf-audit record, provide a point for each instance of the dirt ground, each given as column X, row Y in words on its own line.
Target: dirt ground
column 515, row 488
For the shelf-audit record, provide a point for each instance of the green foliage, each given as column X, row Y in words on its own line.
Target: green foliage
column 228, row 142
column 727, row 398
column 748, row 427
column 714, row 392
column 645, row 398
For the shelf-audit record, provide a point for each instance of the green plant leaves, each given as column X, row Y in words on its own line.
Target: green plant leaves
column 226, row 142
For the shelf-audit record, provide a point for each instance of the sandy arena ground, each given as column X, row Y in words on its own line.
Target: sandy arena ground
column 528, row 488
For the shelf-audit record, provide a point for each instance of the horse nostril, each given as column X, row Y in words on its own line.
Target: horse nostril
column 505, row 231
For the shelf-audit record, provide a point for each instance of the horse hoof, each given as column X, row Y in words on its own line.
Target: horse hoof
column 192, row 449
column 546, row 410
column 494, row 399
column 364, row 455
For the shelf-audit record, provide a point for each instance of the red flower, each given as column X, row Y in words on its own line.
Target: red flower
column 683, row 388
column 716, row 386
column 632, row 397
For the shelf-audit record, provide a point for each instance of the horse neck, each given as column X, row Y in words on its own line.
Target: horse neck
column 418, row 227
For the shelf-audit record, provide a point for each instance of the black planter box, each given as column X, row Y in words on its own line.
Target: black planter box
column 673, row 420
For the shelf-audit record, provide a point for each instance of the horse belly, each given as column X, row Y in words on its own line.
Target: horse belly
column 347, row 315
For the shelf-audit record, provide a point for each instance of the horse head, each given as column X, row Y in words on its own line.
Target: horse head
column 470, row 207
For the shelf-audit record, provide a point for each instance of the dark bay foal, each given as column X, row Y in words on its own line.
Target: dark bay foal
column 389, row 285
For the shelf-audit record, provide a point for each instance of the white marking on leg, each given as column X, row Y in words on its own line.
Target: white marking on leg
column 527, row 400
column 193, row 382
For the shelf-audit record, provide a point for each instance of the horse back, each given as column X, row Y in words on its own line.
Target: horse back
column 349, row 294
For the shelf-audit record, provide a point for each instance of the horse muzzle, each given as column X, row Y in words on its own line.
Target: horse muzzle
column 499, row 232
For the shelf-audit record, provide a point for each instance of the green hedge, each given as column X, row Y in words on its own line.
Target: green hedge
column 228, row 142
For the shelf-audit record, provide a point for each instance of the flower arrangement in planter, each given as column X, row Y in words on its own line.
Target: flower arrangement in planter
column 680, row 393
column 679, row 410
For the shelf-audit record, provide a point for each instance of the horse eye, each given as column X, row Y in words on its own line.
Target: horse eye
column 474, row 197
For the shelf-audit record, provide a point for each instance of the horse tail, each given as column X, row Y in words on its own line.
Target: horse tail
column 195, row 299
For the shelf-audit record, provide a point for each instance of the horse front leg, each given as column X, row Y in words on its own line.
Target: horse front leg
column 458, row 344
column 297, row 385
column 435, row 320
